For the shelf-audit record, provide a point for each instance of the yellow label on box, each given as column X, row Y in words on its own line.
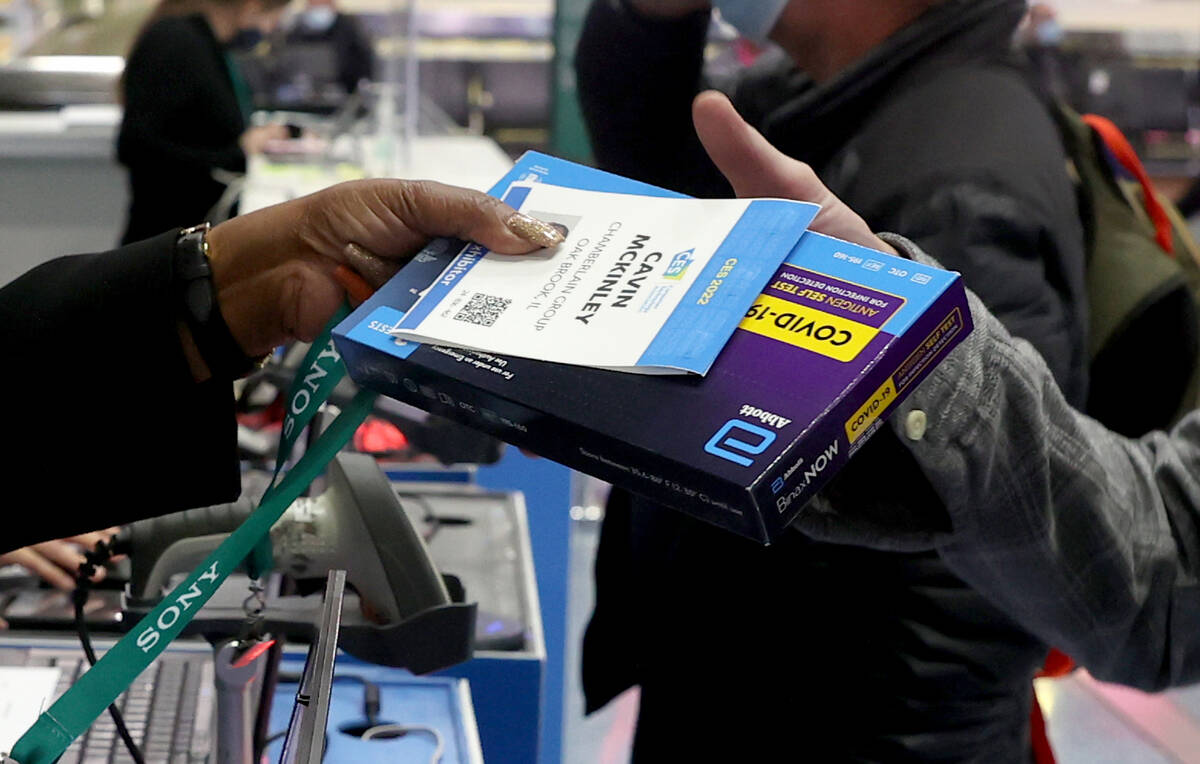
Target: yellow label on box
column 871, row 410
column 806, row 327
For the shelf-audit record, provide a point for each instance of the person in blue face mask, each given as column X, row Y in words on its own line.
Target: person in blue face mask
column 915, row 114
column 1056, row 70
column 321, row 22
column 185, row 128
column 754, row 20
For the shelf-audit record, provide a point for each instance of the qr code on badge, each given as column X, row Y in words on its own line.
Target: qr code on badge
column 482, row 309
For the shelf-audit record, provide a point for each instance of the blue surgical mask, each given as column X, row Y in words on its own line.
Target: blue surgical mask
column 319, row 18
column 753, row 18
column 1049, row 32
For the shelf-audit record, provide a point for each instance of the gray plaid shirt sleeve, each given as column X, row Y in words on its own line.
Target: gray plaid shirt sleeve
column 1088, row 539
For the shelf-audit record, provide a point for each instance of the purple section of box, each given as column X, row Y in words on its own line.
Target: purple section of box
column 823, row 449
column 836, row 297
column 947, row 331
column 772, row 375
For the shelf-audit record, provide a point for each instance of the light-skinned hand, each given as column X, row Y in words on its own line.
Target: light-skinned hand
column 755, row 168
column 255, row 139
column 57, row 562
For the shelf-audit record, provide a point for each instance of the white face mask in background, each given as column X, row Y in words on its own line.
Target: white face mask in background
column 753, row 18
column 318, row 19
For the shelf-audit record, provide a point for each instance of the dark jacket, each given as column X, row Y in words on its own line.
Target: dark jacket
column 104, row 421
column 352, row 51
column 879, row 656
column 182, row 120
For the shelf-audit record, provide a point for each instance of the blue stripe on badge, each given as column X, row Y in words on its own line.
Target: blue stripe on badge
column 459, row 267
column 759, row 242
column 373, row 331
column 517, row 196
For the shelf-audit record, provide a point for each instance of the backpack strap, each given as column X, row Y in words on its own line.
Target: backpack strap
column 1119, row 145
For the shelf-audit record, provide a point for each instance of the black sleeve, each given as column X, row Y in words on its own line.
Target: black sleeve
column 105, row 423
column 356, row 60
column 1189, row 203
column 1007, row 252
column 163, row 76
column 978, row 182
column 637, row 78
column 990, row 202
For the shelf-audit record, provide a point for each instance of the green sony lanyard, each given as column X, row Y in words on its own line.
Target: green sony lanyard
column 241, row 90
column 74, row 712
column 318, row 374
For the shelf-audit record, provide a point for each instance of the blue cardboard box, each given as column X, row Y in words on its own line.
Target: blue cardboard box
column 840, row 335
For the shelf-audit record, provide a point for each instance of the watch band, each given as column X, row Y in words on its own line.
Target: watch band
column 200, row 310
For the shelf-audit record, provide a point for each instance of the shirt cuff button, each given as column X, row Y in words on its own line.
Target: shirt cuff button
column 914, row 424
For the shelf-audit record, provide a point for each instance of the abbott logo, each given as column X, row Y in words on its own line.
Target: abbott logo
column 731, row 448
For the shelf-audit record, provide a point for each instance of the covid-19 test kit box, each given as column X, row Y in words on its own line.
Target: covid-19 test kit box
column 836, row 338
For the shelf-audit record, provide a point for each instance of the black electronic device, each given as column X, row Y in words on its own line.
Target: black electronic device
column 448, row 442
column 51, row 609
column 169, row 707
column 1139, row 98
column 301, row 77
column 357, row 525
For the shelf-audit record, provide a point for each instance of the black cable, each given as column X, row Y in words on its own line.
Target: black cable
column 432, row 518
column 94, row 558
column 371, row 702
column 266, row 697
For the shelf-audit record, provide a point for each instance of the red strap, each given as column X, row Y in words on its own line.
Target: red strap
column 1038, row 738
column 1118, row 144
column 1057, row 664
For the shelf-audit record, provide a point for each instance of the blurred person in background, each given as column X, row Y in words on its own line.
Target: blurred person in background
column 1041, row 37
column 917, row 114
column 1189, row 202
column 185, row 129
column 321, row 22
column 56, row 562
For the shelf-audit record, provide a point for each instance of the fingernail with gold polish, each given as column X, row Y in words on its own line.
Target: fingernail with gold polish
column 357, row 250
column 534, row 230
